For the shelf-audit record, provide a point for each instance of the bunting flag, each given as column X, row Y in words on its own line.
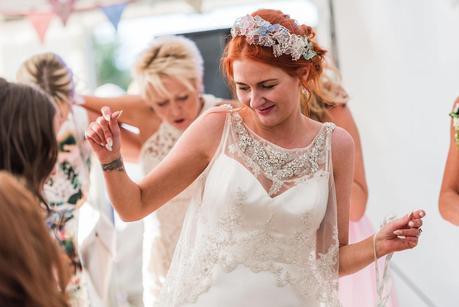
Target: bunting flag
column 40, row 21
column 63, row 9
column 114, row 12
column 196, row 4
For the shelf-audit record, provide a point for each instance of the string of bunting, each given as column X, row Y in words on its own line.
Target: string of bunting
column 63, row 9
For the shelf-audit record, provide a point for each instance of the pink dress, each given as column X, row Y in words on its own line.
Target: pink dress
column 359, row 289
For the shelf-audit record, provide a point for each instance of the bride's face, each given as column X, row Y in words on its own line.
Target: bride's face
column 269, row 91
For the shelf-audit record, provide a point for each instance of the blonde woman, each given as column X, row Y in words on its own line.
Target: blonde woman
column 169, row 75
column 66, row 190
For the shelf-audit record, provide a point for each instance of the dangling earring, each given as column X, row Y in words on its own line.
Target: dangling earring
column 305, row 92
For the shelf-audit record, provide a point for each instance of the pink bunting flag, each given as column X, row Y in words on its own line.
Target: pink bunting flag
column 63, row 9
column 40, row 21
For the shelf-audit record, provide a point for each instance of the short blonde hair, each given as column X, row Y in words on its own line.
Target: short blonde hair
column 169, row 56
column 48, row 72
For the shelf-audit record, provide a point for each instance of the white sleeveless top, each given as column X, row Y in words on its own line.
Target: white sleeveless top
column 261, row 230
column 162, row 228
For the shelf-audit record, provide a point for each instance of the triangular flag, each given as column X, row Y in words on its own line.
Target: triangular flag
column 40, row 22
column 114, row 12
column 63, row 9
column 196, row 4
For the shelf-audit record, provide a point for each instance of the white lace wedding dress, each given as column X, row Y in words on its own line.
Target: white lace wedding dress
column 261, row 229
column 162, row 228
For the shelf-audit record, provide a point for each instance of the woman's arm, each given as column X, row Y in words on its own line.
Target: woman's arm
column 342, row 117
column 178, row 170
column 354, row 257
column 449, row 193
column 136, row 111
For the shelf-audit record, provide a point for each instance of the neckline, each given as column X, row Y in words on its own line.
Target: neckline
column 278, row 147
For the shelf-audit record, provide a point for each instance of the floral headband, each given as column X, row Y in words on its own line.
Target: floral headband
column 261, row 32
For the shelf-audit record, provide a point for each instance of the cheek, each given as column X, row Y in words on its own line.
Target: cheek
column 162, row 112
column 243, row 97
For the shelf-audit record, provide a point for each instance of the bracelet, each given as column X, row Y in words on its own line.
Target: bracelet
column 115, row 165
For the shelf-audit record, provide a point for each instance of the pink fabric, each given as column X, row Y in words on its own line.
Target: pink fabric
column 359, row 289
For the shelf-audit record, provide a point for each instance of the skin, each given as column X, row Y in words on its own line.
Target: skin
column 449, row 193
column 271, row 97
column 342, row 117
column 177, row 105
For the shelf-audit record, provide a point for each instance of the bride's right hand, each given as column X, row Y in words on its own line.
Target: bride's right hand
column 104, row 136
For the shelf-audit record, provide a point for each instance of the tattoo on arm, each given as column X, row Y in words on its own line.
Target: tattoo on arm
column 115, row 165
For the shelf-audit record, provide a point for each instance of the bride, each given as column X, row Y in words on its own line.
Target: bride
column 268, row 222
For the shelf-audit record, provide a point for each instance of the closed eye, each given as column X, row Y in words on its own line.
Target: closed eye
column 162, row 103
column 182, row 98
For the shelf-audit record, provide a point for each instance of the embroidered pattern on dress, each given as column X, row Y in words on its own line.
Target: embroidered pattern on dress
column 230, row 241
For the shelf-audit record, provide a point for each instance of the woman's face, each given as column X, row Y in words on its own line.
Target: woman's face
column 180, row 107
column 269, row 91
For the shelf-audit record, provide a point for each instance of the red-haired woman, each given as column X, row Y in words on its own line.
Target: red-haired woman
column 270, row 211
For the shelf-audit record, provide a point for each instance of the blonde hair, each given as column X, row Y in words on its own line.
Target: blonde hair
column 50, row 73
column 169, row 56
column 31, row 271
column 332, row 94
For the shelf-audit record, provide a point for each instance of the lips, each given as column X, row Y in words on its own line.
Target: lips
column 265, row 110
column 179, row 121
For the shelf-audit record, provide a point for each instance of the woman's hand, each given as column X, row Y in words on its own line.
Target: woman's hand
column 104, row 136
column 400, row 234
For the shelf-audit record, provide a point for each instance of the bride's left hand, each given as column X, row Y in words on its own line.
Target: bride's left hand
column 400, row 234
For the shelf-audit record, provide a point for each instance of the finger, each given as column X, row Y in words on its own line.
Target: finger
column 93, row 135
column 416, row 223
column 114, row 126
column 117, row 114
column 400, row 223
column 107, row 134
column 92, row 141
column 419, row 214
column 413, row 232
column 106, row 113
column 97, row 128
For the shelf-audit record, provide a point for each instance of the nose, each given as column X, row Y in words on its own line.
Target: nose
column 176, row 109
column 256, row 99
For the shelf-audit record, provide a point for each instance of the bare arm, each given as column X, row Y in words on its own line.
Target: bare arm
column 449, row 193
column 354, row 257
column 135, row 110
column 342, row 117
column 178, row 170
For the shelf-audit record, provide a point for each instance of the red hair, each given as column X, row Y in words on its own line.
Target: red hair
column 238, row 48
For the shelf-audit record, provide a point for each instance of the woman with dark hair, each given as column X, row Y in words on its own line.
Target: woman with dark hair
column 28, row 126
column 31, row 270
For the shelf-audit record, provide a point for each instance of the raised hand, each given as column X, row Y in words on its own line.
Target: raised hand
column 104, row 136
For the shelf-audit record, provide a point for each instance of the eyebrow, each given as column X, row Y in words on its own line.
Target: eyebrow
column 267, row 80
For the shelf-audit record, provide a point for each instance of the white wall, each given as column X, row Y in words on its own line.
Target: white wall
column 400, row 64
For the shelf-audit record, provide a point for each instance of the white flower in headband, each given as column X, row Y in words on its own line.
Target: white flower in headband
column 261, row 32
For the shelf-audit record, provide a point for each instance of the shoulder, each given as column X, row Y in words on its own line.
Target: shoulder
column 455, row 107
column 342, row 145
column 340, row 112
column 207, row 129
